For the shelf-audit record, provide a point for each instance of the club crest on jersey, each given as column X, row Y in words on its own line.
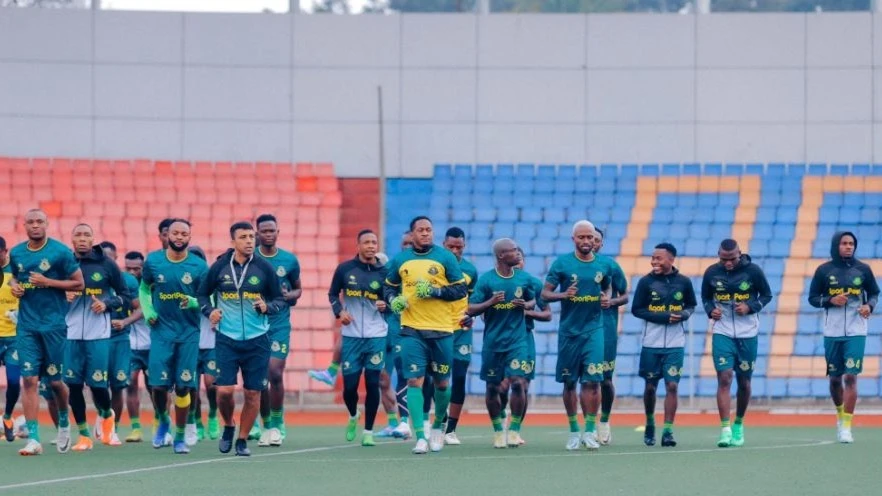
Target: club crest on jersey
column 592, row 369
column 376, row 359
column 598, row 277
column 187, row 278
column 375, row 285
column 45, row 265
column 857, row 281
column 211, row 365
column 346, row 365
column 52, row 369
column 186, row 375
column 673, row 371
column 276, row 346
column 519, row 292
column 515, row 364
column 433, row 270
column 528, row 367
column 281, row 272
column 97, row 376
column 744, row 286
column 849, row 363
column 96, row 277
column 745, row 365
column 254, row 280
column 160, row 278
column 464, row 349
column 121, row 375
column 678, row 296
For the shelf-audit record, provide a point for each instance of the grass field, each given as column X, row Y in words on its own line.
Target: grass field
column 318, row 461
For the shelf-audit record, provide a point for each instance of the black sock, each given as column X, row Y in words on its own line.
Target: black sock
column 451, row 424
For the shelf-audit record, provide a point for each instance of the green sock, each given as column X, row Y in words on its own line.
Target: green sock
column 497, row 424
column 724, row 423
column 604, row 417
column 276, row 418
column 116, row 426
column 393, row 419
column 502, row 414
column 590, row 423
column 574, row 423
column 840, row 409
column 191, row 417
column 136, row 424
column 179, row 433
column 266, row 421
column 415, row 405
column 166, row 418
column 7, row 417
column 669, row 427
column 442, row 401
column 739, row 420
column 515, row 424
column 33, row 430
column 212, row 412
column 333, row 368
column 84, row 429
column 650, row 419
column 107, row 413
column 63, row 418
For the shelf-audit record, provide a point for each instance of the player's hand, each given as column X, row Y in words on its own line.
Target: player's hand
column 381, row 306
column 864, row 310
column 260, row 305
column 519, row 303
column 675, row 318
column 399, row 303
column 424, row 289
column 572, row 290
column 117, row 324
column 498, row 297
column 215, row 316
column 345, row 318
column 39, row 280
column 289, row 296
column 742, row 309
column 17, row 290
column 98, row 306
column 839, row 300
column 151, row 317
column 604, row 301
column 70, row 296
column 466, row 321
column 716, row 314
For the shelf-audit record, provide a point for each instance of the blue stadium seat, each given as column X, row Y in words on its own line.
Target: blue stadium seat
column 609, row 170
column 587, row 172
column 671, row 170
column 734, row 169
column 775, row 169
column 546, row 172
column 566, row 172
column 544, row 185
column 649, row 170
column 713, row 169
column 485, row 214
column 691, row 169
column 532, row 215
column 484, row 171
column 754, row 169
column 839, row 170
column 507, row 214
column 462, row 172
column 818, row 169
column 860, row 169
column 524, row 232
column 525, row 171
column 505, row 171
column 442, row 170
column 629, row 170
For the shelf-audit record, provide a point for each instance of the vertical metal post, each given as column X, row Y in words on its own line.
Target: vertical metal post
column 382, row 155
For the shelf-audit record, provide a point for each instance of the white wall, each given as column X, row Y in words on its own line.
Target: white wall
column 457, row 88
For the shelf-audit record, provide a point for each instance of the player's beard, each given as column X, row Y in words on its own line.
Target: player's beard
column 180, row 249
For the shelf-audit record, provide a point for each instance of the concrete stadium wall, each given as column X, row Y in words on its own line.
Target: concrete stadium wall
column 457, row 88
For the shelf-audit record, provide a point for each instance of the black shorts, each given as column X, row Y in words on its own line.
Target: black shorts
column 250, row 356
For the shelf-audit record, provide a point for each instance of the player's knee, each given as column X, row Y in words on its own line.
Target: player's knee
column 850, row 380
column 607, row 384
column 724, row 378
column 442, row 385
column 372, row 379
column 569, row 386
column 416, row 382
column 517, row 385
column 650, row 387
column 460, row 369
column 30, row 383
column 671, row 387
column 591, row 387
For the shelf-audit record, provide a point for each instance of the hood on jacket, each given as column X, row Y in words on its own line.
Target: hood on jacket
column 834, row 246
column 95, row 255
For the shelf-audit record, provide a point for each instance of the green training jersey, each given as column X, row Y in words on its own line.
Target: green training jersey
column 287, row 268
column 580, row 314
column 536, row 286
column 619, row 286
column 504, row 325
column 169, row 283
column 42, row 309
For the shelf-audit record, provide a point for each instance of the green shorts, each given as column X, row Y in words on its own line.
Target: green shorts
column 734, row 353
column 140, row 360
column 462, row 345
column 498, row 365
column 172, row 363
column 844, row 355
column 44, row 389
column 357, row 354
column 531, row 355
column 207, row 362
column 41, row 353
column 8, row 351
column 580, row 358
column 120, row 364
column 656, row 363
column 281, row 342
column 419, row 352
column 86, row 361
column 393, row 351
column 610, row 350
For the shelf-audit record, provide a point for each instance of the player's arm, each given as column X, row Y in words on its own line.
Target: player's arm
column 640, row 307
column 74, row 282
column 482, row 299
column 542, row 312
column 764, row 292
column 707, row 294
column 455, row 289
column 334, row 291
column 122, row 296
column 296, row 292
column 145, row 297
column 871, row 288
column 817, row 288
column 689, row 302
column 207, row 288
column 620, row 286
column 392, row 284
column 273, row 297
column 14, row 286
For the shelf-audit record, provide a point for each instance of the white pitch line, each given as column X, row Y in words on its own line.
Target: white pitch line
column 573, row 453
column 166, row 467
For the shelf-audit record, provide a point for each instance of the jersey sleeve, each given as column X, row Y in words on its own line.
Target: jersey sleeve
column 554, row 275
column 452, row 270
column 147, row 275
column 619, row 281
column 69, row 263
column 481, row 293
column 293, row 275
column 393, row 278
